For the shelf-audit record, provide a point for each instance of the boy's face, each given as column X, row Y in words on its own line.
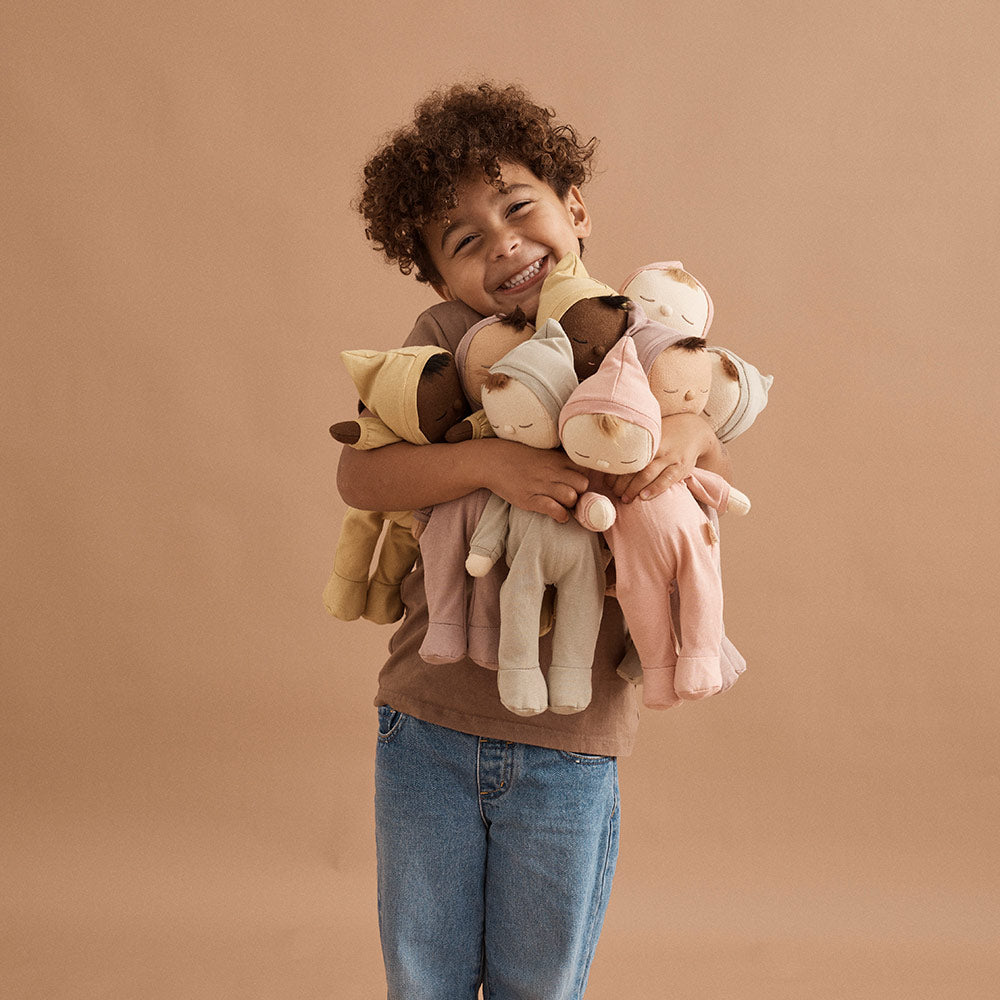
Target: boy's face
column 497, row 248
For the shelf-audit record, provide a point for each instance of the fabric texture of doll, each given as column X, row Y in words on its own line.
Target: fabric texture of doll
column 522, row 399
column 612, row 423
column 413, row 394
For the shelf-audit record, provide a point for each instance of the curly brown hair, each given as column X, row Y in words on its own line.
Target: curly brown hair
column 412, row 179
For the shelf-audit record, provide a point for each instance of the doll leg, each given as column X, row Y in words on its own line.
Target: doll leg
column 519, row 677
column 579, row 607
column 346, row 593
column 444, row 545
column 396, row 558
column 484, row 617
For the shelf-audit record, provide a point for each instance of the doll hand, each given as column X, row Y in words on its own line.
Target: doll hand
column 462, row 431
column 478, row 565
column 346, row 432
column 686, row 438
column 595, row 512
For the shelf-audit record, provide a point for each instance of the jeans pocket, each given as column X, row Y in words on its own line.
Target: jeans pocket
column 389, row 721
column 585, row 758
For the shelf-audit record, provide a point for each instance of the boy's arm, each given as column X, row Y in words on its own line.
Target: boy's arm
column 407, row 477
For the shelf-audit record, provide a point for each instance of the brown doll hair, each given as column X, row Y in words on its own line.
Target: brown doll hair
column 494, row 381
column 691, row 344
column 457, row 133
column 516, row 319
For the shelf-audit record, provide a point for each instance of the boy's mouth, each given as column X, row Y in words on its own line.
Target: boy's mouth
column 526, row 278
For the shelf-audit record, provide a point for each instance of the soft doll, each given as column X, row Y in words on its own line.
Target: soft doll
column 415, row 395
column 672, row 296
column 462, row 615
column 612, row 423
column 483, row 345
column 522, row 399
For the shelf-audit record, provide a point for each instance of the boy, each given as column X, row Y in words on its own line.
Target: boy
column 496, row 835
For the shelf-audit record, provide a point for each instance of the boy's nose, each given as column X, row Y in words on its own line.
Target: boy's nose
column 505, row 243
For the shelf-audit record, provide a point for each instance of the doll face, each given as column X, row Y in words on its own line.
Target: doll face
column 593, row 329
column 630, row 450
column 724, row 396
column 440, row 402
column 486, row 348
column 670, row 301
column 680, row 380
column 496, row 248
column 515, row 414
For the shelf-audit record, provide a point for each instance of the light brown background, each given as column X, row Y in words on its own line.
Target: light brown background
column 188, row 738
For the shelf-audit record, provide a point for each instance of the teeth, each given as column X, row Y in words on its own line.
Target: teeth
column 525, row 275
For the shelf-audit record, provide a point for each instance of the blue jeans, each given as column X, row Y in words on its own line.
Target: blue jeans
column 495, row 862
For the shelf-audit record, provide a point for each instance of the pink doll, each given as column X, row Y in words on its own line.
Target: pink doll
column 463, row 615
column 522, row 399
column 611, row 423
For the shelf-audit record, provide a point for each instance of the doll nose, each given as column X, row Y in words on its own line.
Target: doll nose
column 689, row 395
column 666, row 311
column 599, row 351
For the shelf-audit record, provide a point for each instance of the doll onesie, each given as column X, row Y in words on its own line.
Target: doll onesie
column 541, row 551
column 660, row 544
column 386, row 382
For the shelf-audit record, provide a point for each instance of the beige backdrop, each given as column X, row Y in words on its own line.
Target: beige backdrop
column 188, row 738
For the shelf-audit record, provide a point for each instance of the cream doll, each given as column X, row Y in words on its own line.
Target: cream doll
column 522, row 400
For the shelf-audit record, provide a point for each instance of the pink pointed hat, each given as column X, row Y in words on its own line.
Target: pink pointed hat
column 618, row 387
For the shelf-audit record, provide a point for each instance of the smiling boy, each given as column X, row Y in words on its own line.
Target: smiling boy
column 497, row 835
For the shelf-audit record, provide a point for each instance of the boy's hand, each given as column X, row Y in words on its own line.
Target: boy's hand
column 686, row 440
column 536, row 479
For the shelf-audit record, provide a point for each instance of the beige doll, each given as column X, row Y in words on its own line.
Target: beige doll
column 414, row 395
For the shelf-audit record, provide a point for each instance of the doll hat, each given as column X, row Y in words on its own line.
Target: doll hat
column 462, row 351
column 544, row 365
column 651, row 339
column 568, row 284
column 618, row 387
column 387, row 384
column 753, row 389
column 673, row 265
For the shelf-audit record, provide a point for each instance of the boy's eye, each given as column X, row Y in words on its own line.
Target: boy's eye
column 464, row 241
column 517, row 206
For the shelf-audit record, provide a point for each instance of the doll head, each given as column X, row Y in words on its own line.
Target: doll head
column 589, row 311
column 612, row 421
column 484, row 345
column 681, row 377
column 414, row 391
column 672, row 296
column 527, row 388
column 738, row 393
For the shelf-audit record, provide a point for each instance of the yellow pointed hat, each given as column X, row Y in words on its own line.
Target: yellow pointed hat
column 387, row 384
column 568, row 283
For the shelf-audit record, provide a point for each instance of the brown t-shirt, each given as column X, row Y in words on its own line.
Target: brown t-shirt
column 463, row 695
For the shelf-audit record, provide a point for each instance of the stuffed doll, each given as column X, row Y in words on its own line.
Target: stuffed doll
column 414, row 395
column 522, row 399
column 483, row 345
column 463, row 615
column 612, row 423
column 670, row 295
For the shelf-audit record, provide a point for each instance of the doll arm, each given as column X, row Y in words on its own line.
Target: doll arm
column 472, row 428
column 489, row 540
column 365, row 433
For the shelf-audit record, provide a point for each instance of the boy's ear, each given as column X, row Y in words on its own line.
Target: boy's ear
column 578, row 212
column 444, row 291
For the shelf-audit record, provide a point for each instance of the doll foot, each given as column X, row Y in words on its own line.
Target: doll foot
column 523, row 692
column 345, row 599
column 697, row 677
column 484, row 643
column 630, row 669
column 443, row 643
column 658, row 688
column 384, row 605
column 569, row 690
column 477, row 565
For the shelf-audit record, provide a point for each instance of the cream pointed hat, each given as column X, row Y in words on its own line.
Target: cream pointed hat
column 387, row 384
